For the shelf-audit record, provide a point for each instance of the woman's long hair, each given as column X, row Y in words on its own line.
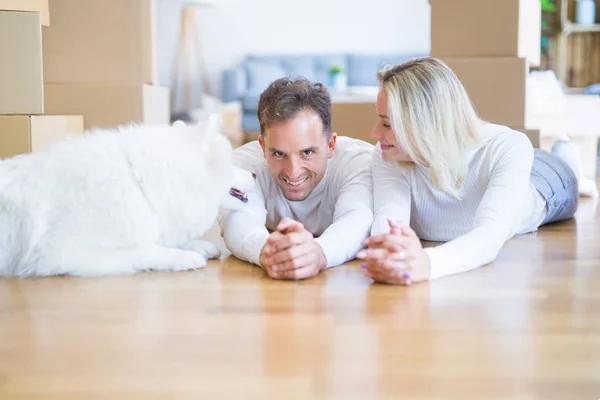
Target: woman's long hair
column 433, row 118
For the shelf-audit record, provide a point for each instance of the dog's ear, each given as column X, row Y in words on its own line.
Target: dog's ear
column 212, row 127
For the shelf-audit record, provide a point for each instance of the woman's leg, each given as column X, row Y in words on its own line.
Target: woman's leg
column 564, row 148
column 555, row 179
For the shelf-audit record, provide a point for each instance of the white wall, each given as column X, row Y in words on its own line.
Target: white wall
column 233, row 28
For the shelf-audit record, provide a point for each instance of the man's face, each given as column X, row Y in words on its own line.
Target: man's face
column 297, row 152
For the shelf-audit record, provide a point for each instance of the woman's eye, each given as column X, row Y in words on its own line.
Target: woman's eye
column 387, row 126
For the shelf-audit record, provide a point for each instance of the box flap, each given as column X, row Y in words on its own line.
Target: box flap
column 15, row 135
column 28, row 5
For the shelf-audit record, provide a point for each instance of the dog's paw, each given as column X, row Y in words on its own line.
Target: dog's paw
column 188, row 260
column 207, row 249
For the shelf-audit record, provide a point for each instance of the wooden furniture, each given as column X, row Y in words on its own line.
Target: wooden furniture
column 576, row 48
column 524, row 327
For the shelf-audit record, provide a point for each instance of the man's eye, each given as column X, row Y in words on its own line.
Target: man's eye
column 278, row 154
column 308, row 153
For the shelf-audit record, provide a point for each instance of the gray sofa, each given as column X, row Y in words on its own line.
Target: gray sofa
column 246, row 81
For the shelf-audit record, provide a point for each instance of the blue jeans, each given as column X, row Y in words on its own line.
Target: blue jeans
column 557, row 183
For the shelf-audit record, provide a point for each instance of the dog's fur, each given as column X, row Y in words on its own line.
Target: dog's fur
column 114, row 201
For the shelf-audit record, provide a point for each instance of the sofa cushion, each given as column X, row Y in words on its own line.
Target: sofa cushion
column 234, row 85
column 314, row 67
column 250, row 102
column 261, row 73
column 296, row 66
column 363, row 68
column 250, row 122
column 299, row 66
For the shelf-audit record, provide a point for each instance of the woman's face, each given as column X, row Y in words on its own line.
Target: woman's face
column 383, row 132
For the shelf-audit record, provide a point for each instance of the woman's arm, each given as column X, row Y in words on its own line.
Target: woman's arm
column 398, row 258
column 391, row 194
column 498, row 215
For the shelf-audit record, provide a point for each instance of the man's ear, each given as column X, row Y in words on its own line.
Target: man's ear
column 261, row 141
column 331, row 144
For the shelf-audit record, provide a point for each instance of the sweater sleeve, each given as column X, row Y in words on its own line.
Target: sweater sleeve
column 391, row 194
column 497, row 215
column 244, row 232
column 353, row 210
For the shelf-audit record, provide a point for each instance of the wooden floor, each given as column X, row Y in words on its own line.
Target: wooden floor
column 524, row 327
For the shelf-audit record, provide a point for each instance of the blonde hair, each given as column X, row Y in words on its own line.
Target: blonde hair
column 432, row 117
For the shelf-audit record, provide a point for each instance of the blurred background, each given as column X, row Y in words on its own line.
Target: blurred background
column 72, row 65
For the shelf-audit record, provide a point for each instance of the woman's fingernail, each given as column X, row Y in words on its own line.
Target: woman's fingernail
column 406, row 275
column 364, row 265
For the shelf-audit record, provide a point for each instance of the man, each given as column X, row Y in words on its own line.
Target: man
column 312, row 205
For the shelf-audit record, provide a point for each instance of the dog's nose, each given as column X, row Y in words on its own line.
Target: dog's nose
column 254, row 176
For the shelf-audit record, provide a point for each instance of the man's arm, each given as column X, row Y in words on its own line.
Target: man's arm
column 244, row 231
column 353, row 213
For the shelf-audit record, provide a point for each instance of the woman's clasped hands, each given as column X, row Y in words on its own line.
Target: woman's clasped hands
column 395, row 258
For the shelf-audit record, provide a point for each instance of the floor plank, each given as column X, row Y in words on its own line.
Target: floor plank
column 525, row 327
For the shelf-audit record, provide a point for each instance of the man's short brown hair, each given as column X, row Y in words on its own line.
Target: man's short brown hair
column 285, row 98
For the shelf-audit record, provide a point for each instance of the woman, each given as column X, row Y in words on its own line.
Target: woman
column 442, row 174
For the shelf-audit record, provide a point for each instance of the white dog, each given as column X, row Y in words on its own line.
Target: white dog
column 115, row 201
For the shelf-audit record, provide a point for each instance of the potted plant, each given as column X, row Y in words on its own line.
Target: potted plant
column 549, row 24
column 337, row 76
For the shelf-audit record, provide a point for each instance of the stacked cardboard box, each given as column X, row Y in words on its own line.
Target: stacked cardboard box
column 24, row 127
column 490, row 45
column 100, row 62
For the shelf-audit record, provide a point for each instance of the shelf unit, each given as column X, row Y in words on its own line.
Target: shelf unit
column 576, row 48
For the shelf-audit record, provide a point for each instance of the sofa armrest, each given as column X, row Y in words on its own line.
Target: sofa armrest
column 235, row 84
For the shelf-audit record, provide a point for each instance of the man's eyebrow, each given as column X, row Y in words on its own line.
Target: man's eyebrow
column 273, row 150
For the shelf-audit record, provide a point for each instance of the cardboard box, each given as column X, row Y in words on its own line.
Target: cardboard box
column 231, row 122
column 20, row 134
column 497, row 87
column 490, row 28
column 101, row 41
column 28, row 5
column 21, row 69
column 533, row 134
column 354, row 119
column 106, row 106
